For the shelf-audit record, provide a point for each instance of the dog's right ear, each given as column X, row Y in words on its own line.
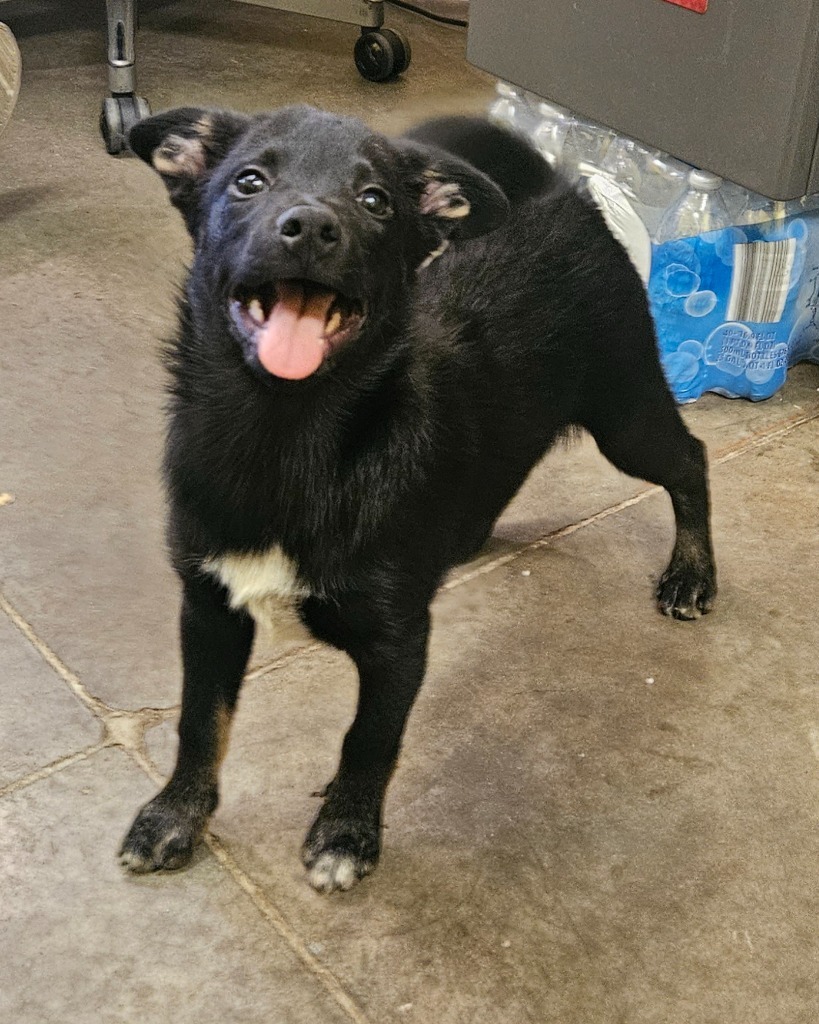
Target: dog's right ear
column 183, row 146
column 454, row 196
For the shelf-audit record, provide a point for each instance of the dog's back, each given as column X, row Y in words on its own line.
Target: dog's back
column 506, row 157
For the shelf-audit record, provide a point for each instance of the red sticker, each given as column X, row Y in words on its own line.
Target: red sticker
column 700, row 6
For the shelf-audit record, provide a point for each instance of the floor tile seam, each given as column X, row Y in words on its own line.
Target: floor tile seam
column 99, row 707
column 268, row 910
column 722, row 456
column 282, row 661
column 285, row 930
column 548, row 539
column 53, row 768
column 122, row 726
column 227, row 863
column 102, row 710
column 763, row 437
column 111, row 737
column 93, row 704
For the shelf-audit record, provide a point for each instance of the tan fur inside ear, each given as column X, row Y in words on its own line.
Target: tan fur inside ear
column 181, row 157
column 443, row 199
column 204, row 127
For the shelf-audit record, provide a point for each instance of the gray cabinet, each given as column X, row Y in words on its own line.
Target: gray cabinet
column 734, row 90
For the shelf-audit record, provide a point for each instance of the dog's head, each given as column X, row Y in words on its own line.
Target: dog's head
column 309, row 227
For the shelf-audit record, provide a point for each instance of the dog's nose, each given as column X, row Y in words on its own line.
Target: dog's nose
column 309, row 227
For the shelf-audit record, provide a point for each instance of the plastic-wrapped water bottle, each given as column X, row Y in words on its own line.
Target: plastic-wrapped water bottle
column 796, row 207
column 624, row 162
column 736, row 199
column 652, row 180
column 585, row 143
column 759, row 209
column 700, row 209
column 550, row 133
column 664, row 180
column 511, row 108
column 505, row 107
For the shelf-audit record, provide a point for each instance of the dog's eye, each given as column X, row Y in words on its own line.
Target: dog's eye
column 249, row 182
column 375, row 201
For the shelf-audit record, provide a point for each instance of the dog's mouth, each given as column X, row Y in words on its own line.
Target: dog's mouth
column 294, row 325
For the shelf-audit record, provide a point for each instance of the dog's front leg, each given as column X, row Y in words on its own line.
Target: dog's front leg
column 344, row 841
column 216, row 642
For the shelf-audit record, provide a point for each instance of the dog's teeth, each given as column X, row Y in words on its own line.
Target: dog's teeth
column 256, row 312
column 333, row 323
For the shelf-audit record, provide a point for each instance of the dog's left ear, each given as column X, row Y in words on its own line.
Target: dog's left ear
column 463, row 201
column 183, row 146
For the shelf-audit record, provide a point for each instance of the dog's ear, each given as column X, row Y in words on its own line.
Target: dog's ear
column 183, row 146
column 463, row 201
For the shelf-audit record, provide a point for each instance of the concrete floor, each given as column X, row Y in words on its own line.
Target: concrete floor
column 646, row 853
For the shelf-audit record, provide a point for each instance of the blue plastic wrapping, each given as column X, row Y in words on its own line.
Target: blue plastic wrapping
column 735, row 308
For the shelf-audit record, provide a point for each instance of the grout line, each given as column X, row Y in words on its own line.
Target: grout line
column 266, row 908
column 94, row 705
column 549, row 538
column 269, row 911
column 282, row 661
column 724, row 455
column 51, row 769
column 148, row 766
column 110, row 716
column 226, row 861
column 103, row 711
column 760, row 439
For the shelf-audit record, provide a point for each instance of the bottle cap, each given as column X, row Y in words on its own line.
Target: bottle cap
column 505, row 89
column 704, row 180
column 551, row 111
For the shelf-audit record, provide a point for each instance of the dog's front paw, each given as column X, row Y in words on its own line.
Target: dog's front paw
column 338, row 852
column 163, row 836
column 687, row 591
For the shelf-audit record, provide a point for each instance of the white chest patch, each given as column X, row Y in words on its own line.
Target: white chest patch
column 267, row 586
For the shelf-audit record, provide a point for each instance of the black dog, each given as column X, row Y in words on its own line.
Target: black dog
column 354, row 403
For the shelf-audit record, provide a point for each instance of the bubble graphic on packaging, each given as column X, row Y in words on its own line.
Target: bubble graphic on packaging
column 678, row 252
column 692, row 347
column 798, row 229
column 680, row 281
column 681, row 256
column 729, row 347
column 700, row 303
column 680, row 367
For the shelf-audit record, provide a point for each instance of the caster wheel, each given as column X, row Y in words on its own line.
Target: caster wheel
column 118, row 116
column 381, row 55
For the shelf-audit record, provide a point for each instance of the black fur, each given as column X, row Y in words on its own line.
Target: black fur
column 391, row 462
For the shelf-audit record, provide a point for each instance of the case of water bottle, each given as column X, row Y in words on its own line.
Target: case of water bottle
column 732, row 277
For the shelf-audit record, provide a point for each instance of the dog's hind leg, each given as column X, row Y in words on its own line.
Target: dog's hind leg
column 638, row 428
column 389, row 651
column 216, row 643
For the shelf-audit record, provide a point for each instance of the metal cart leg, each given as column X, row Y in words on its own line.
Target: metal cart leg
column 123, row 108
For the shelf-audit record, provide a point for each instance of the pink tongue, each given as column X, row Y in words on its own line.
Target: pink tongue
column 291, row 342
